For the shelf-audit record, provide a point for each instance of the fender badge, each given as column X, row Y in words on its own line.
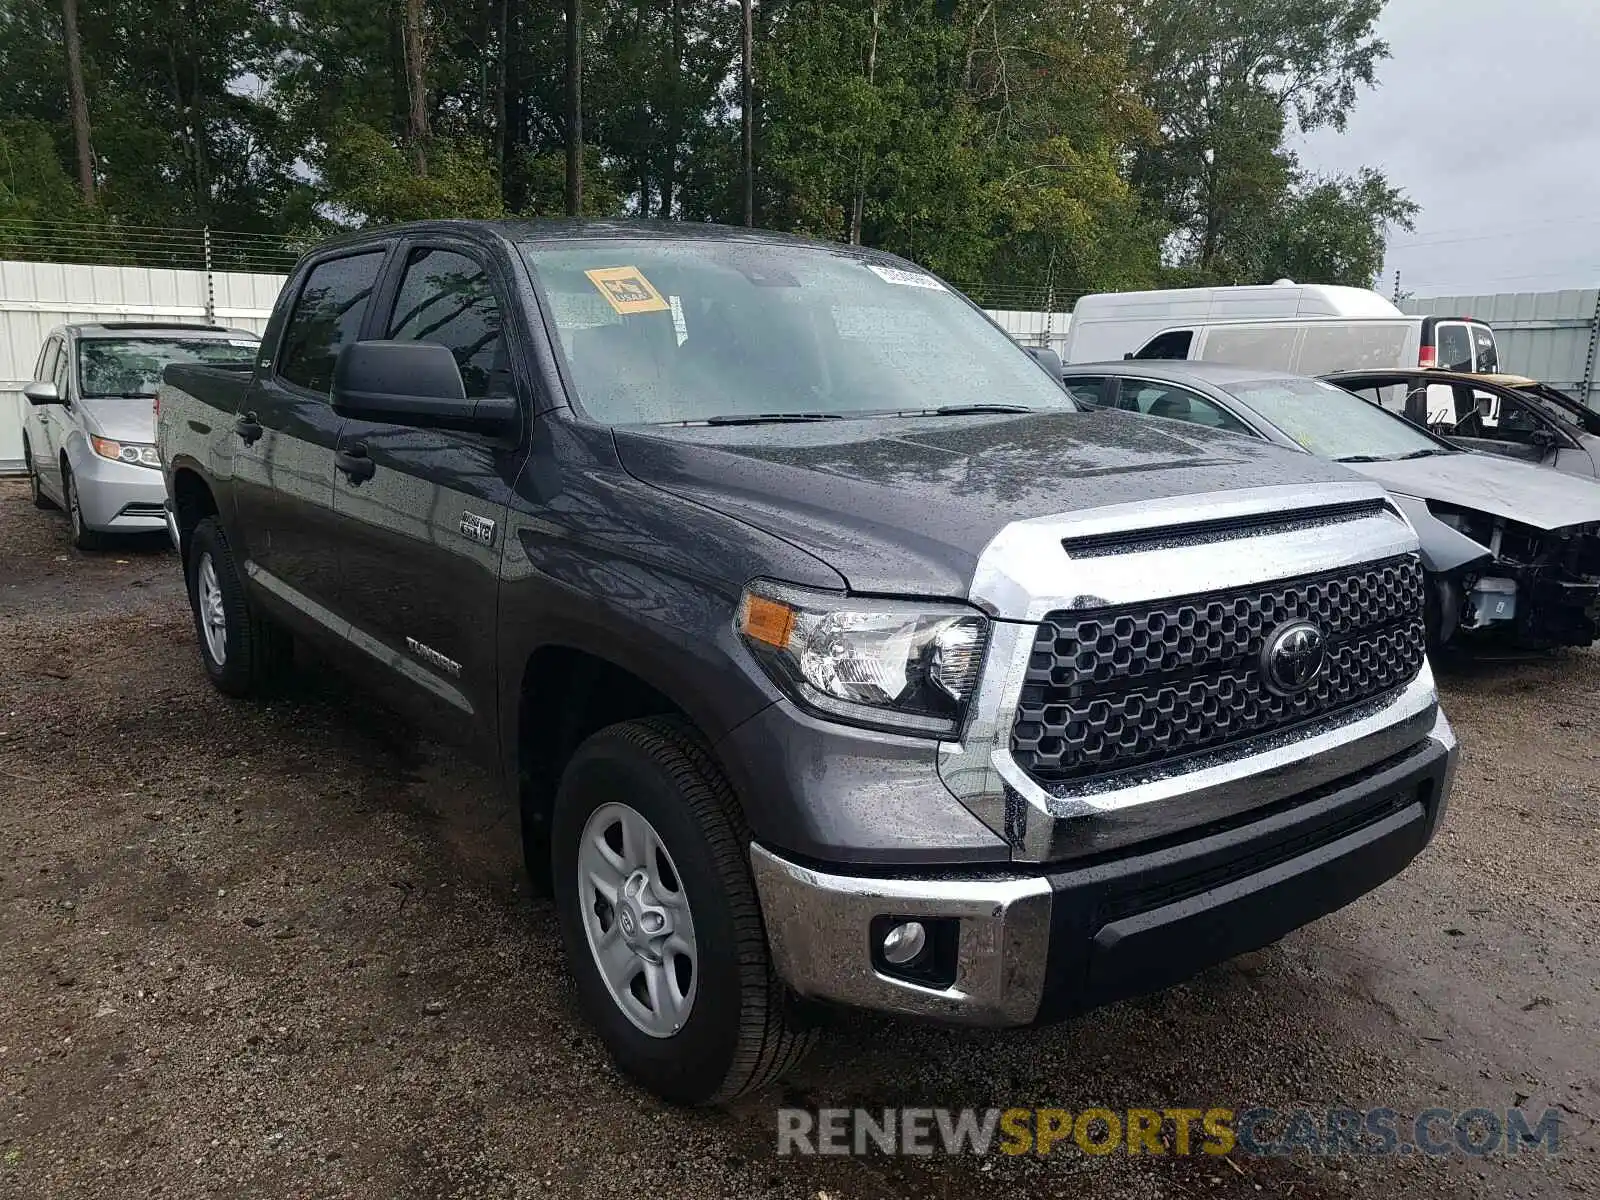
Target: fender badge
column 477, row 529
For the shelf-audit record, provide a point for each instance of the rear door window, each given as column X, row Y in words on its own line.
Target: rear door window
column 327, row 317
column 1454, row 346
column 1485, row 354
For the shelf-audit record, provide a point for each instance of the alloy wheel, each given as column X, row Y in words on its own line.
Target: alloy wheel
column 213, row 617
column 637, row 918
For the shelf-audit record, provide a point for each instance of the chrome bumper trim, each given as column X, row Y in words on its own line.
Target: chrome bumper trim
column 818, row 928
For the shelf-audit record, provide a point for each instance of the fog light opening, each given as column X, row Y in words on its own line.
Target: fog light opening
column 905, row 943
column 921, row 950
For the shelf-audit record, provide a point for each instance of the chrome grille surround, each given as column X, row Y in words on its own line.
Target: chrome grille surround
column 1026, row 574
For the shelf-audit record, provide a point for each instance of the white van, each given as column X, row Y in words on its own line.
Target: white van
column 1308, row 329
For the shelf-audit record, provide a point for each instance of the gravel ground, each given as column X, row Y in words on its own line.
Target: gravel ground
column 285, row 950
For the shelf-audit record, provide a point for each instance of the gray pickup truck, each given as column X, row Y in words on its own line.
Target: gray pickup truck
column 828, row 652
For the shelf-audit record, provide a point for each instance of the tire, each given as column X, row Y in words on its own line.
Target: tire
column 35, row 491
column 739, row 1032
column 83, row 537
column 251, row 652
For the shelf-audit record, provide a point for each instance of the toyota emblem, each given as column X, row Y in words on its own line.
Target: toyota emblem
column 1293, row 656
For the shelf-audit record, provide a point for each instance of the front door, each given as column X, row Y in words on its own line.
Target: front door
column 284, row 445
column 46, row 428
column 422, row 512
column 1500, row 422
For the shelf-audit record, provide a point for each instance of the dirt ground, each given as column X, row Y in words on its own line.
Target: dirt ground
column 285, row 949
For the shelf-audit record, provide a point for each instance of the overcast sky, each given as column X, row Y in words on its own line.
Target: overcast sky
column 1488, row 115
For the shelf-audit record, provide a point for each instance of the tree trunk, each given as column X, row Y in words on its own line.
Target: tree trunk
column 574, row 108
column 747, row 115
column 498, row 18
column 669, row 167
column 416, row 52
column 860, row 201
column 195, row 115
column 79, row 99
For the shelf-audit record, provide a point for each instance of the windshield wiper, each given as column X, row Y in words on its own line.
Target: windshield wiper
column 1364, row 458
column 961, row 410
column 764, row 418
column 1429, row 452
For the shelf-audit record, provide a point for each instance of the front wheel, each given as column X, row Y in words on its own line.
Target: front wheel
column 242, row 652
column 660, row 920
column 83, row 537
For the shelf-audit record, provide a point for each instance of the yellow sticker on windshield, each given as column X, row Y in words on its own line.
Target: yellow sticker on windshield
column 627, row 290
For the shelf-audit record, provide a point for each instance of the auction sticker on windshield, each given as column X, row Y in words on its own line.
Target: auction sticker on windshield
column 906, row 278
column 627, row 290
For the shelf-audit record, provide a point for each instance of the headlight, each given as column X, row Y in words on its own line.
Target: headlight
column 898, row 665
column 138, row 454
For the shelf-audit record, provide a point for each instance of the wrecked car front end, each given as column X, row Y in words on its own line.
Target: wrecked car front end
column 1492, row 577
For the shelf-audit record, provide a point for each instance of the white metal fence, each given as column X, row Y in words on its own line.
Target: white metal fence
column 36, row 296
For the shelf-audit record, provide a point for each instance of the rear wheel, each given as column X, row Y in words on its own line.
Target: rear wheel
column 83, row 537
column 35, row 490
column 660, row 920
column 242, row 651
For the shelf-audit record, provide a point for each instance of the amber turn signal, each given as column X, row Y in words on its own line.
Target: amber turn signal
column 766, row 620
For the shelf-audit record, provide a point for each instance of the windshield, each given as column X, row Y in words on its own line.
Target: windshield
column 132, row 366
column 1334, row 423
column 659, row 331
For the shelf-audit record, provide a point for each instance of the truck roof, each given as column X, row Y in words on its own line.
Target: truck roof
column 567, row 229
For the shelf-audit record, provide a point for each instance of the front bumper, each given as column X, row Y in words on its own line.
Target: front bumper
column 1033, row 947
column 119, row 497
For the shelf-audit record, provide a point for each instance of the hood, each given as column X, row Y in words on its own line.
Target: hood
column 906, row 505
column 1502, row 487
column 121, row 420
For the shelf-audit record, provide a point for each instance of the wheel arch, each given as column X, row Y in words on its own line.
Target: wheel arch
column 193, row 500
column 568, row 690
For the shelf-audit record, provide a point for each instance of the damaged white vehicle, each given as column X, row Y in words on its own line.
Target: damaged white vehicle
column 1512, row 551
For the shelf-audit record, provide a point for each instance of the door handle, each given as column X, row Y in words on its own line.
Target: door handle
column 248, row 428
column 355, row 463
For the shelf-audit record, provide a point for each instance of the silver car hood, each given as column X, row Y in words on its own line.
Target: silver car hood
column 1502, row 487
column 121, row 420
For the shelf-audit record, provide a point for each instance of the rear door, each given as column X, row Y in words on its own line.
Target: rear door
column 284, row 442
column 422, row 512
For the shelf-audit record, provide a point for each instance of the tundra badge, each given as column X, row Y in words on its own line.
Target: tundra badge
column 477, row 529
column 429, row 655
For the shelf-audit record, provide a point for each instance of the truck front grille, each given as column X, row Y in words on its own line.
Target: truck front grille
column 1113, row 688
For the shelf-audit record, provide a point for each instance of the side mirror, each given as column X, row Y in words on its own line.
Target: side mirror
column 40, row 394
column 1048, row 359
column 413, row 383
column 1542, row 437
